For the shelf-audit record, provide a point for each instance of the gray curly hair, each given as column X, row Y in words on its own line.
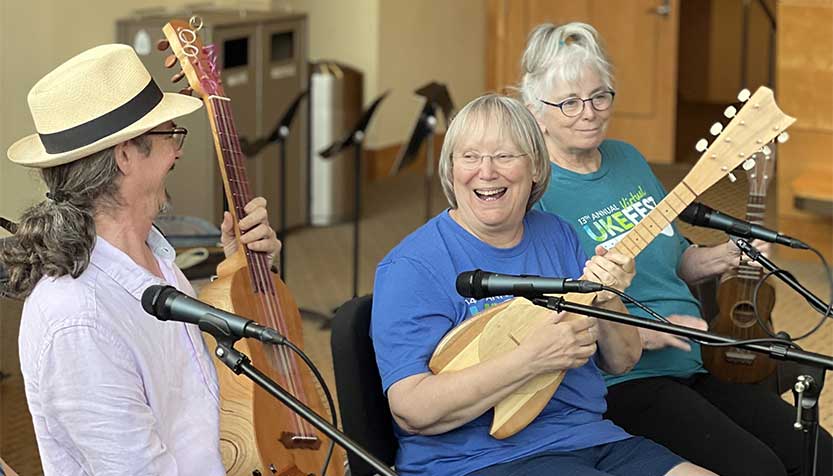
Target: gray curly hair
column 560, row 54
column 56, row 236
column 513, row 119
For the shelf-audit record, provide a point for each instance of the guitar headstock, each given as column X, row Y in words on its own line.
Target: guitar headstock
column 742, row 141
column 198, row 61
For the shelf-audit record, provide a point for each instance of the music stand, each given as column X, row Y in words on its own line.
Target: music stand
column 436, row 96
column 278, row 136
column 355, row 138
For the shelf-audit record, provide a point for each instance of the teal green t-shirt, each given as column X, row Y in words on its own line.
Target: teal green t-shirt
column 602, row 207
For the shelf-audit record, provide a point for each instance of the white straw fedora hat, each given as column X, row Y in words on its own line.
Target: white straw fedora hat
column 100, row 98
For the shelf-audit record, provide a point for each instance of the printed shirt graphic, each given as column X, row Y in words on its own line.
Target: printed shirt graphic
column 415, row 304
column 603, row 207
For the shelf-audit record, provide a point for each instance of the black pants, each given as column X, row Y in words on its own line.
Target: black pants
column 731, row 429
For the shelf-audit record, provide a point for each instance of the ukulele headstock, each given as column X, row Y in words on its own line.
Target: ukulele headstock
column 742, row 141
column 198, row 61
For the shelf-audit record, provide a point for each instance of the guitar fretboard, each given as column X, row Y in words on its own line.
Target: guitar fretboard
column 641, row 235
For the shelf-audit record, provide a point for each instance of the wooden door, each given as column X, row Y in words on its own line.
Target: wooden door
column 641, row 39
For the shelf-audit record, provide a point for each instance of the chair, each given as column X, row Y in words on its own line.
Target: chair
column 365, row 414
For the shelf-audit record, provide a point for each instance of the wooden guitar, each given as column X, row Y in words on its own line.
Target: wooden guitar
column 500, row 329
column 735, row 298
column 258, row 435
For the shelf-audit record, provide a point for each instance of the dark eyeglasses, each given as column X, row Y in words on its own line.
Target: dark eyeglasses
column 177, row 134
column 572, row 107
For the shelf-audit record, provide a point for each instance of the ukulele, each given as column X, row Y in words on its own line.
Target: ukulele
column 500, row 329
column 257, row 434
column 736, row 294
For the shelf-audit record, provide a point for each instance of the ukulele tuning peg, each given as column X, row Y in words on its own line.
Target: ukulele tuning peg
column 716, row 128
column 766, row 150
column 748, row 164
column 162, row 44
column 783, row 137
column 732, row 177
column 743, row 95
column 186, row 91
column 170, row 61
column 730, row 112
column 701, row 145
column 175, row 78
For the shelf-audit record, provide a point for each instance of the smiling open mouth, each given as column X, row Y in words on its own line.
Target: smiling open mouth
column 490, row 194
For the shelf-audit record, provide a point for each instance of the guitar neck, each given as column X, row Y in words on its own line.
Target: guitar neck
column 656, row 220
column 235, row 179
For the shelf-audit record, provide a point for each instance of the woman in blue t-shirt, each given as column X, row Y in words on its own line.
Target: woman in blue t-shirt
column 493, row 166
column 603, row 188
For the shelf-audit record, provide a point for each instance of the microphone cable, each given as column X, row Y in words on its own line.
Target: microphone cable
column 327, row 394
column 828, row 312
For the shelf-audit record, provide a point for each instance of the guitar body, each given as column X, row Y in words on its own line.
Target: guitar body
column 252, row 422
column 737, row 320
column 500, row 329
column 735, row 297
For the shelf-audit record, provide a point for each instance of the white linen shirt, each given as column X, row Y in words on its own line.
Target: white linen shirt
column 111, row 389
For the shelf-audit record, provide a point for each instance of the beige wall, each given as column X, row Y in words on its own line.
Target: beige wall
column 399, row 44
column 423, row 41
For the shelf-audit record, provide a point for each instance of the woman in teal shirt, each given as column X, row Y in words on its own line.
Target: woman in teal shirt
column 603, row 188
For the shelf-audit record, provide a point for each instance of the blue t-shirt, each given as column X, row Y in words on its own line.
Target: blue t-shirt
column 415, row 304
column 602, row 207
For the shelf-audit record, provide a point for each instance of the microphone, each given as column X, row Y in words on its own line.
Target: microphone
column 479, row 284
column 169, row 304
column 698, row 214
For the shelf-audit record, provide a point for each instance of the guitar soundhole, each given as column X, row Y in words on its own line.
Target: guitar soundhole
column 293, row 441
column 743, row 315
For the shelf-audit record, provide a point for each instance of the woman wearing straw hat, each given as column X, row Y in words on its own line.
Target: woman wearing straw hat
column 111, row 389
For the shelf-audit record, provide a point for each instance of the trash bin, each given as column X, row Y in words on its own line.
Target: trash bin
column 335, row 105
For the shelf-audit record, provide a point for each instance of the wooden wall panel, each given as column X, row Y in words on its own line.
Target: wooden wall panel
column 805, row 90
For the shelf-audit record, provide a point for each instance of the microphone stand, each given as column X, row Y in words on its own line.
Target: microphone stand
column 807, row 389
column 786, row 277
column 240, row 363
column 809, row 384
column 355, row 138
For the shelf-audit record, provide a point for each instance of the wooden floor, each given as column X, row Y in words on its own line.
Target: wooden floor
column 319, row 270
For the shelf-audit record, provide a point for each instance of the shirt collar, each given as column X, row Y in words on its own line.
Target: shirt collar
column 116, row 264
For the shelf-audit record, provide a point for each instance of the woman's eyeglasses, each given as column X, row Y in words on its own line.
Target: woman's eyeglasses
column 472, row 160
column 572, row 107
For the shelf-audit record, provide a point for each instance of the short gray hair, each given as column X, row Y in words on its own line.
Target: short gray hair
column 515, row 120
column 555, row 55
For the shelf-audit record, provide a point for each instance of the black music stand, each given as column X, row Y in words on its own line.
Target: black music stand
column 355, row 138
column 278, row 136
column 436, row 96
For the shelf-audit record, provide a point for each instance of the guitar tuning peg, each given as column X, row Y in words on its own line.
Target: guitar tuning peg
column 175, row 78
column 748, row 164
column 716, row 128
column 730, row 112
column 187, row 91
column 743, row 95
column 766, row 150
column 783, row 137
column 701, row 145
column 170, row 61
column 732, row 177
column 163, row 44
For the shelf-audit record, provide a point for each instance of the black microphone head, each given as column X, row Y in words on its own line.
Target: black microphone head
column 692, row 213
column 152, row 296
column 465, row 283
